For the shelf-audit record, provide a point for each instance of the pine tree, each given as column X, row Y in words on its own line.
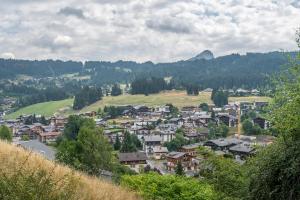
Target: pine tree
column 43, row 120
column 117, row 144
column 128, row 144
column 116, row 90
column 179, row 169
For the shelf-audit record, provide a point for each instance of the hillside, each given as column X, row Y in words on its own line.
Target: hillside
column 25, row 175
column 47, row 108
column 250, row 70
column 177, row 98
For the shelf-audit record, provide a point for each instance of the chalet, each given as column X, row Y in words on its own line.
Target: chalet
column 129, row 112
column 242, row 150
column 166, row 136
column 261, row 122
column 145, row 123
column 188, row 111
column 26, row 130
column 167, row 127
column 200, row 121
column 177, row 121
column 58, row 121
column 141, row 109
column 196, row 136
column 190, row 149
column 227, row 119
column 24, row 118
column 37, row 128
column 222, row 144
column 162, row 109
column 160, row 152
column 151, row 141
column 173, row 158
column 139, row 130
column 134, row 160
column 47, row 137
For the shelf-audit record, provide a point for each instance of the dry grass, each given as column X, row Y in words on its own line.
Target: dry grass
column 250, row 98
column 177, row 98
column 15, row 160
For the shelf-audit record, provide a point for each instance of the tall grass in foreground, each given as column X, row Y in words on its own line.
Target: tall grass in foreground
column 26, row 176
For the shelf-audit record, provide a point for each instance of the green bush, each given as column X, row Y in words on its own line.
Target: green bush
column 155, row 186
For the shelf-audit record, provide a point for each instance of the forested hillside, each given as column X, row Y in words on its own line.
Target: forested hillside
column 250, row 70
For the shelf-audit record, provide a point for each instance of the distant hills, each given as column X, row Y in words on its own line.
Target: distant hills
column 250, row 70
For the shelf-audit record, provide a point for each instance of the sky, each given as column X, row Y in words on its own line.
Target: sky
column 143, row 30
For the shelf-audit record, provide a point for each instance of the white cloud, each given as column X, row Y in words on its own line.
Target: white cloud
column 63, row 41
column 157, row 30
column 8, row 55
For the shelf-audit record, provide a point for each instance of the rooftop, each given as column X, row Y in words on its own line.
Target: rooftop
column 244, row 148
column 152, row 138
column 175, row 155
column 134, row 156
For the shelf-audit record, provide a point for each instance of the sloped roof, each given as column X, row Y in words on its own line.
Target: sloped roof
column 134, row 156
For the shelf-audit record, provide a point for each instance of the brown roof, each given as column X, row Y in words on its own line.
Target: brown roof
column 50, row 134
column 134, row 156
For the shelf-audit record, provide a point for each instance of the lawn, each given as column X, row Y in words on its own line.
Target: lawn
column 47, row 108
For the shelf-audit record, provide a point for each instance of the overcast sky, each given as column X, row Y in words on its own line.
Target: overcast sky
column 142, row 30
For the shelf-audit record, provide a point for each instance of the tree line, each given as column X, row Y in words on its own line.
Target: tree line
column 149, row 85
column 48, row 94
column 86, row 96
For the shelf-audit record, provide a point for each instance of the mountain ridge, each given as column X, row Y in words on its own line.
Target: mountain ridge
column 205, row 55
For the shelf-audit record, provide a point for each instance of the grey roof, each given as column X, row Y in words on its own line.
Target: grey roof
column 134, row 156
column 174, row 154
column 244, row 148
column 225, row 142
column 192, row 146
column 160, row 150
column 152, row 138
column 38, row 147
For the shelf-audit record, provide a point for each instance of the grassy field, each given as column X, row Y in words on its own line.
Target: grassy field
column 46, row 108
column 250, row 98
column 26, row 175
column 177, row 98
